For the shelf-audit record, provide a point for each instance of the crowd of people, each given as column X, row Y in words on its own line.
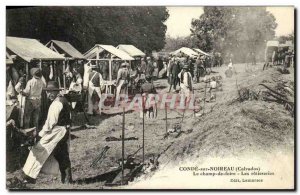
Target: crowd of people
column 27, row 94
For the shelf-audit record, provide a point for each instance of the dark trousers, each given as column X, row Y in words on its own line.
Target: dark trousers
column 173, row 82
column 61, row 154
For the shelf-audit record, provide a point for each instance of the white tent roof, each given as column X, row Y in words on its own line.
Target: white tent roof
column 67, row 48
column 201, row 52
column 186, row 51
column 273, row 44
column 131, row 50
column 31, row 49
column 109, row 48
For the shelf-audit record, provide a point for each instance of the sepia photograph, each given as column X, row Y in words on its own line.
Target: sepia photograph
column 150, row 98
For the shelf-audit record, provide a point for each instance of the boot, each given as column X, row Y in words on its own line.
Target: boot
column 66, row 176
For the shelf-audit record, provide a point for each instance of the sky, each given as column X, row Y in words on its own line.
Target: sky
column 179, row 21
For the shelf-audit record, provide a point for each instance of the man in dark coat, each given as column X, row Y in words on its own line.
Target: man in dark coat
column 174, row 71
column 149, row 67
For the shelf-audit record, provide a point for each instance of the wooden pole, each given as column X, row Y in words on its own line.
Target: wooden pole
column 166, row 114
column 123, row 134
column 194, row 103
column 40, row 64
column 64, row 75
column 204, row 96
column 56, row 72
column 110, row 74
column 27, row 72
column 143, row 108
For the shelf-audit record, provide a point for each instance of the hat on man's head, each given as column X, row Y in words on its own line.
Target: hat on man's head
column 148, row 58
column 52, row 86
column 186, row 67
column 124, row 64
column 148, row 77
column 93, row 66
column 36, row 72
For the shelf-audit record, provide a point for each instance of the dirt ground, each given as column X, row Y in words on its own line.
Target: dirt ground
column 225, row 129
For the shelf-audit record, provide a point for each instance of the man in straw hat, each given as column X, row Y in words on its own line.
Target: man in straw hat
column 122, row 81
column 33, row 93
column 54, row 139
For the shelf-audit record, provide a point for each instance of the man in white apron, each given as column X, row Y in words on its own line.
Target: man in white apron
column 122, row 81
column 54, row 139
column 186, row 84
column 95, row 87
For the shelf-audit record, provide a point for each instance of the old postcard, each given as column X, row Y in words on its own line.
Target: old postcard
column 150, row 97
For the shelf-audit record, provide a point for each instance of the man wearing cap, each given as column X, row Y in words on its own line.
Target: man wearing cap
column 33, row 92
column 94, row 89
column 122, row 81
column 54, row 139
column 185, row 81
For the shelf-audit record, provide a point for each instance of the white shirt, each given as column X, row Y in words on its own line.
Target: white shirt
column 34, row 88
column 52, row 117
column 213, row 84
column 186, row 76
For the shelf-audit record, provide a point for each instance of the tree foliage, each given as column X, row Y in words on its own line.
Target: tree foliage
column 85, row 26
column 284, row 38
column 173, row 44
column 238, row 30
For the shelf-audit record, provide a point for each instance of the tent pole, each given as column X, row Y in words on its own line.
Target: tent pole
column 123, row 134
column 40, row 64
column 56, row 72
column 143, row 109
column 64, row 75
column 110, row 76
column 166, row 114
column 27, row 71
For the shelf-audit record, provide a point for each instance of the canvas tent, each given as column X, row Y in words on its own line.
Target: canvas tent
column 108, row 59
column 9, row 59
column 115, row 53
column 273, row 44
column 71, row 54
column 65, row 48
column 131, row 50
column 199, row 51
column 186, row 51
column 30, row 49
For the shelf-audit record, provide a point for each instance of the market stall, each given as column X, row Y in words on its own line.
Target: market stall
column 28, row 53
column 73, row 58
column 184, row 51
column 108, row 59
column 200, row 52
column 134, row 52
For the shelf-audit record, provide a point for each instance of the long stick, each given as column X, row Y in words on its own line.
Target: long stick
column 64, row 75
column 123, row 129
column 143, row 108
column 166, row 114
column 204, row 96
column 183, row 110
column 194, row 103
